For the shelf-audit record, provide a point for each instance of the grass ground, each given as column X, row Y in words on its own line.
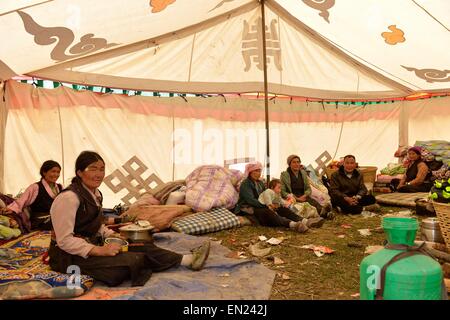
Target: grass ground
column 303, row 275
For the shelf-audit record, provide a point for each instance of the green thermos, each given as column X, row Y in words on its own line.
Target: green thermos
column 400, row 271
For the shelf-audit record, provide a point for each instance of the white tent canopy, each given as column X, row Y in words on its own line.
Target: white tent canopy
column 324, row 49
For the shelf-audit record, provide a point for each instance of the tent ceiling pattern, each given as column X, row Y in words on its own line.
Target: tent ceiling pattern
column 315, row 48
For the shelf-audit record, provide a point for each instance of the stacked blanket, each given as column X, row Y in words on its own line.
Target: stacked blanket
column 212, row 187
column 439, row 148
column 393, row 169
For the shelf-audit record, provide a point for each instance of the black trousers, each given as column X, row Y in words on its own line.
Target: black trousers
column 267, row 217
column 424, row 187
column 137, row 266
column 356, row 209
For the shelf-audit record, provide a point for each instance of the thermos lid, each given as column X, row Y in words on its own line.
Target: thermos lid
column 400, row 223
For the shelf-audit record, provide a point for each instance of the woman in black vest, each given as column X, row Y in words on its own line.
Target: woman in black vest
column 39, row 197
column 78, row 235
column 417, row 176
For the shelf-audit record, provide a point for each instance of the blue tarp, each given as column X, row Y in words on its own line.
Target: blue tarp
column 222, row 278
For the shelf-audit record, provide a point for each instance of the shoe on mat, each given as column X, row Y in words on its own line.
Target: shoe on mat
column 315, row 222
column 373, row 207
column 300, row 227
column 199, row 256
column 331, row 214
column 325, row 211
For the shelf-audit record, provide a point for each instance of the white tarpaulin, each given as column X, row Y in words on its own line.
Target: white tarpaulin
column 316, row 48
column 170, row 137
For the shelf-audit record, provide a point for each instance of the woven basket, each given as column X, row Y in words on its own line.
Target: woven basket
column 443, row 215
column 369, row 173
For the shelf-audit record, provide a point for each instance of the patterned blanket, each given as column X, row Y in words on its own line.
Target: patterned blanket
column 401, row 199
column 24, row 275
column 203, row 222
column 212, row 186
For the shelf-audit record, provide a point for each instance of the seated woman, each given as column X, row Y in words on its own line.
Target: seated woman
column 78, row 233
column 295, row 181
column 39, row 197
column 248, row 203
column 417, row 176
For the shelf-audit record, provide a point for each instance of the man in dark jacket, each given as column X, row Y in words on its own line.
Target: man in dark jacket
column 347, row 189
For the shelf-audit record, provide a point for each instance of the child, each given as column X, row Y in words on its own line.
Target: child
column 272, row 196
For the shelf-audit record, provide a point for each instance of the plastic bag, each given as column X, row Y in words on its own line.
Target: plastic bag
column 305, row 210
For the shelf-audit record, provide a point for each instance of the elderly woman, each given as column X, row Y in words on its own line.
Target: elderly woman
column 248, row 203
column 294, row 181
column 78, row 235
column 39, row 197
column 417, row 176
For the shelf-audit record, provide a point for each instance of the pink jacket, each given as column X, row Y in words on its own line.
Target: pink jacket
column 63, row 213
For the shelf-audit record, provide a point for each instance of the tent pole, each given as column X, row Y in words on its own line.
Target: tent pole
column 3, row 117
column 266, row 93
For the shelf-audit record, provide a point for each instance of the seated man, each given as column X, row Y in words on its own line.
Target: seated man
column 347, row 189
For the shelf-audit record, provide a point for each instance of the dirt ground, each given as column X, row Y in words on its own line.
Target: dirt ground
column 303, row 275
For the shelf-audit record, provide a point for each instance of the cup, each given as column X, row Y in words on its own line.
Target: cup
column 123, row 244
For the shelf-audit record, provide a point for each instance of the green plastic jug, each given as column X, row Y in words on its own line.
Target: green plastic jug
column 415, row 277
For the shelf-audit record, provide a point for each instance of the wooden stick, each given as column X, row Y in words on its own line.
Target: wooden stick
column 307, row 294
column 285, row 296
column 433, row 252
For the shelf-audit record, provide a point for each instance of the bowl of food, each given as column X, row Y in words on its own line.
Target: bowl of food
column 138, row 231
column 123, row 244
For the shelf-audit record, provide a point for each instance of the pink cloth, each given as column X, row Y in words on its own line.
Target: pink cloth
column 383, row 178
column 63, row 213
column 252, row 166
column 30, row 194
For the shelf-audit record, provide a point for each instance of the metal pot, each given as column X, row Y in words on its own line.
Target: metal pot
column 135, row 232
column 430, row 230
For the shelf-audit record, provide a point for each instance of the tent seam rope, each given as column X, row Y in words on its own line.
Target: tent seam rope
column 62, row 141
column 339, row 139
column 192, row 54
column 430, row 15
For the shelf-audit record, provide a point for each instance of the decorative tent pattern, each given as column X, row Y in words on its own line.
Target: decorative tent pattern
column 323, row 49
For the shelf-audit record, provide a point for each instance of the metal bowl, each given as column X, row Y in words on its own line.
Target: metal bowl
column 431, row 231
column 123, row 244
column 135, row 232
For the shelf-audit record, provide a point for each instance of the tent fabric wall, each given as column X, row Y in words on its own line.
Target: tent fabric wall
column 429, row 120
column 172, row 136
column 370, row 133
